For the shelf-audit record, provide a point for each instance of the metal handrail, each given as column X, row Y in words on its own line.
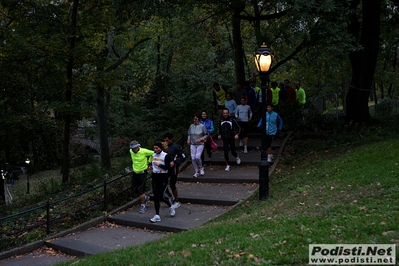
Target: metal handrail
column 50, row 214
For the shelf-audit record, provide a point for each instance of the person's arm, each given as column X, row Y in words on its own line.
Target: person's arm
column 211, row 128
column 279, row 123
column 180, row 156
column 148, row 154
column 237, row 128
column 188, row 135
column 237, row 112
column 204, row 133
column 260, row 123
column 167, row 161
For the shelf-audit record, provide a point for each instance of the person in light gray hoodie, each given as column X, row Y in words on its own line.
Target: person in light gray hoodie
column 244, row 116
column 197, row 133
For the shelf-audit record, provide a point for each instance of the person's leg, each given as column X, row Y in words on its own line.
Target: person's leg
column 164, row 186
column 233, row 147
column 140, row 182
column 193, row 152
column 142, row 178
column 226, row 151
column 156, row 181
column 244, row 129
column 208, row 148
column 172, row 184
column 242, row 133
column 200, row 149
column 269, row 140
column 245, row 141
column 157, row 192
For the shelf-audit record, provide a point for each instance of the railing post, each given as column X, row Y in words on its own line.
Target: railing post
column 105, row 195
column 48, row 217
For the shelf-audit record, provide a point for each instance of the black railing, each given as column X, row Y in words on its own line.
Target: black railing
column 44, row 217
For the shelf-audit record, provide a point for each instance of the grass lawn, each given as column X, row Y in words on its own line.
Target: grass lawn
column 328, row 189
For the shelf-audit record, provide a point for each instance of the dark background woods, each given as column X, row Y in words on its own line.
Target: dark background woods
column 140, row 68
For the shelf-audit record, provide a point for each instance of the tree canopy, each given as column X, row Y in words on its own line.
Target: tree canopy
column 140, row 68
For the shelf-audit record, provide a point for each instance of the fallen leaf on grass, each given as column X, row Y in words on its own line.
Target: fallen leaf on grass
column 387, row 233
column 282, row 253
column 253, row 235
column 186, row 253
column 239, row 254
column 363, row 208
column 256, row 259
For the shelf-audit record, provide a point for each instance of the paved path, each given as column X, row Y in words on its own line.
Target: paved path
column 202, row 199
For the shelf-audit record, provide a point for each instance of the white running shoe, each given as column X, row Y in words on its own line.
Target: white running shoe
column 245, row 149
column 155, row 219
column 176, row 205
column 202, row 172
column 227, row 168
column 195, row 175
column 172, row 211
column 238, row 160
column 142, row 209
column 270, row 158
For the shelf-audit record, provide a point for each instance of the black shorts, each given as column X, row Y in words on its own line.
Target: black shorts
column 269, row 140
column 244, row 129
column 139, row 182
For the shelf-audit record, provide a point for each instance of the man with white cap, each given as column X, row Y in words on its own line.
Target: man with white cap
column 141, row 158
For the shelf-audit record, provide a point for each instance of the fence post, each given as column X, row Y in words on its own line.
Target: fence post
column 105, row 195
column 48, row 217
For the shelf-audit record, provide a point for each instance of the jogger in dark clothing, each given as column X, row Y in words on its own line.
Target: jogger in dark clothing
column 177, row 157
column 160, row 167
column 229, row 131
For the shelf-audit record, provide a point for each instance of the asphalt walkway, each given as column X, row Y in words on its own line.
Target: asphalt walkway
column 202, row 199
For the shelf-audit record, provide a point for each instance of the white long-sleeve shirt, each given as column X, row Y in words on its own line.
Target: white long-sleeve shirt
column 243, row 112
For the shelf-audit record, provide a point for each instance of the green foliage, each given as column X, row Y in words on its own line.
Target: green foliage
column 156, row 64
column 386, row 106
column 334, row 192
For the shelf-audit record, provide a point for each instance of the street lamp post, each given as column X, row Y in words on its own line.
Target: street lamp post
column 263, row 57
column 27, row 161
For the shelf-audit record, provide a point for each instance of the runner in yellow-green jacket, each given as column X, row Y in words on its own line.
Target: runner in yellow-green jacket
column 141, row 158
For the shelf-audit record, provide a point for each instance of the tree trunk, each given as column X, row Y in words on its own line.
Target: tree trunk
column 68, row 95
column 363, row 61
column 238, row 49
column 102, row 118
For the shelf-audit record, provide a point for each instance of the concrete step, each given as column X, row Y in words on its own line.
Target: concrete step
column 75, row 247
column 103, row 238
column 188, row 216
column 202, row 199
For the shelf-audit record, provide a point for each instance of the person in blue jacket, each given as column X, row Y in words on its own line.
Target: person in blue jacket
column 273, row 123
column 208, row 123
